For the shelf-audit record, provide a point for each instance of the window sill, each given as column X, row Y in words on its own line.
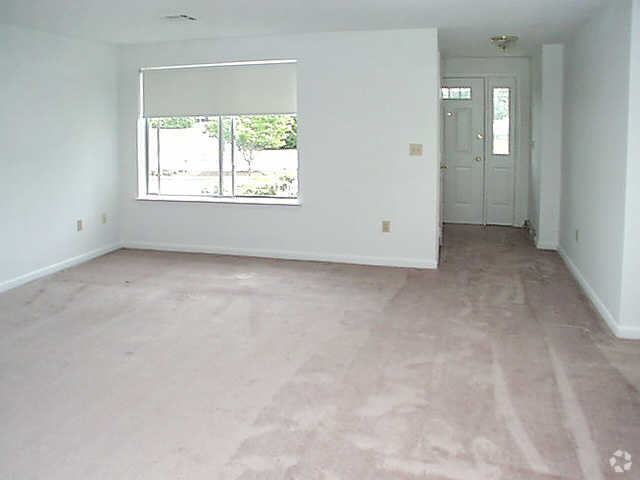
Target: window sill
column 226, row 200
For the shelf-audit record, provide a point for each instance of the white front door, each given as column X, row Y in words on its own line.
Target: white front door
column 479, row 169
column 463, row 156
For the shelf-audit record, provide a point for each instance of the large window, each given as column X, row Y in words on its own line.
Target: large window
column 220, row 131
column 257, row 155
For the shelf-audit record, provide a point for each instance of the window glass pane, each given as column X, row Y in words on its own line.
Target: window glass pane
column 266, row 155
column 188, row 156
column 501, row 121
column 456, row 93
column 224, row 186
column 259, row 156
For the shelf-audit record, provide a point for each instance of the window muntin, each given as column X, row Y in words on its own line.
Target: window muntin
column 456, row 93
column 501, row 121
column 257, row 156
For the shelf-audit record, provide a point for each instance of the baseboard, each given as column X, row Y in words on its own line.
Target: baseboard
column 509, row 224
column 629, row 333
column 286, row 255
column 618, row 330
column 546, row 246
column 56, row 267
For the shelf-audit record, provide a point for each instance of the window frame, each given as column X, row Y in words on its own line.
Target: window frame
column 214, row 198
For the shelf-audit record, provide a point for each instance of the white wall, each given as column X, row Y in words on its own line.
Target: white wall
column 363, row 97
column 536, row 125
column 58, row 151
column 596, row 123
column 519, row 68
column 548, row 148
column 630, row 293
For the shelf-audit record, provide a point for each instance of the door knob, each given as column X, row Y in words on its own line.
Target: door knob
column 480, row 136
column 478, row 159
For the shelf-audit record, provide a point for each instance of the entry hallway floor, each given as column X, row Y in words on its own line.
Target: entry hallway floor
column 152, row 365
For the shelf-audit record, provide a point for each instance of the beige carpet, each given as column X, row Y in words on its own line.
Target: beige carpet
column 149, row 365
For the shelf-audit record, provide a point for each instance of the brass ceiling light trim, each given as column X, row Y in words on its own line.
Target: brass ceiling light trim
column 503, row 42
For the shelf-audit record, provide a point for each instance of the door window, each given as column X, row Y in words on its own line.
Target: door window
column 501, row 141
column 456, row 93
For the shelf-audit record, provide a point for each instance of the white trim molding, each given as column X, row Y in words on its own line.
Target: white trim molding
column 286, row 255
column 618, row 330
column 289, row 202
column 56, row 267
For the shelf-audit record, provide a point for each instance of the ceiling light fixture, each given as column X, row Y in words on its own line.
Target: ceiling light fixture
column 503, row 42
column 180, row 17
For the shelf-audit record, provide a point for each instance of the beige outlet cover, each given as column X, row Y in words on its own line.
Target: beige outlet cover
column 415, row 149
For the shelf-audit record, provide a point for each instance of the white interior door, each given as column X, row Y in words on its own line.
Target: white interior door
column 500, row 171
column 464, row 144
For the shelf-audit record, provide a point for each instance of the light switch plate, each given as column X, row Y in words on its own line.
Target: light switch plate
column 415, row 149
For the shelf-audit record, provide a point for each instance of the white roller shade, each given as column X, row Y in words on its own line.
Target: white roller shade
column 225, row 90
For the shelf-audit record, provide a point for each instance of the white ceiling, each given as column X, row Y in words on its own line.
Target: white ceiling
column 464, row 25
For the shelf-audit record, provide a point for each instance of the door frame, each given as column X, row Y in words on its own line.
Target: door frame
column 514, row 124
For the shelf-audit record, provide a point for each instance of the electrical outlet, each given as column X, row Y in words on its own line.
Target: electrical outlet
column 79, row 225
column 104, row 218
column 415, row 149
column 577, row 235
column 386, row 226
